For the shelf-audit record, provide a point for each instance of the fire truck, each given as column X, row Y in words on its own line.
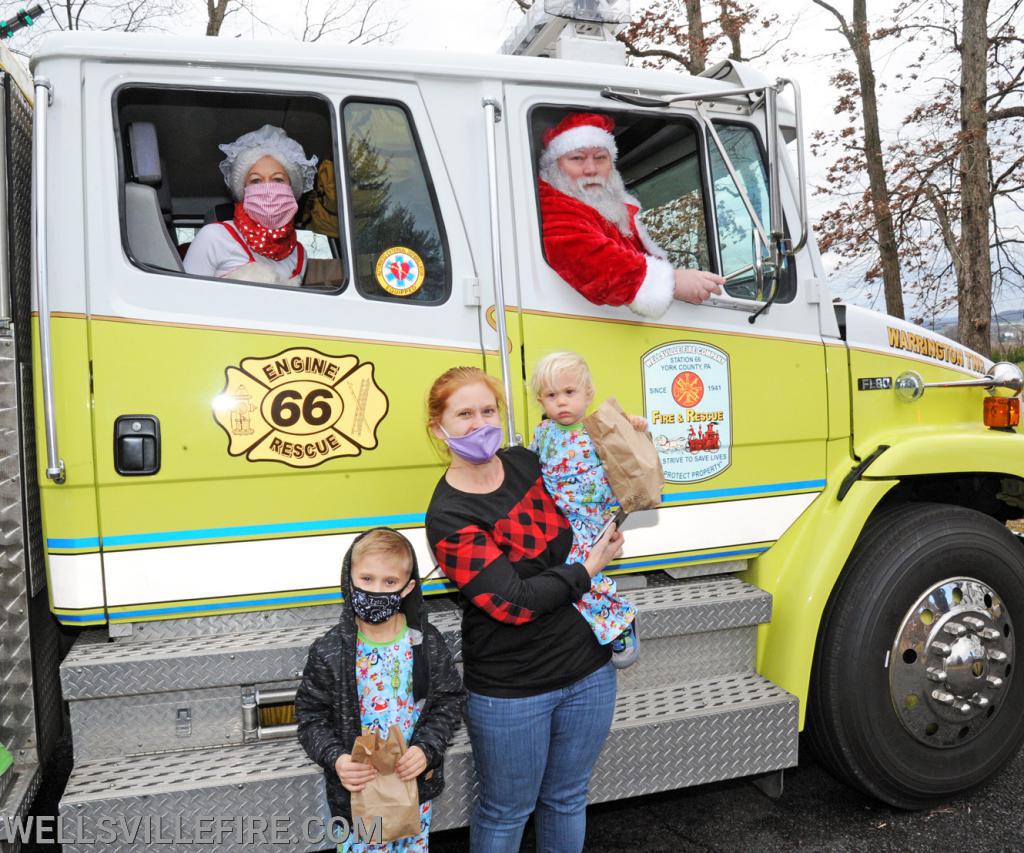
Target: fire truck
column 186, row 459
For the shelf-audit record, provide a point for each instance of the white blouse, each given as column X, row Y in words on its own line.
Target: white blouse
column 215, row 253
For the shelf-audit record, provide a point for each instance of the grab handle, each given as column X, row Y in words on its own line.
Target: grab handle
column 43, row 99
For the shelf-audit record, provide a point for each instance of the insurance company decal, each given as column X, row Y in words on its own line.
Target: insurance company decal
column 687, row 403
column 400, row 271
column 300, row 407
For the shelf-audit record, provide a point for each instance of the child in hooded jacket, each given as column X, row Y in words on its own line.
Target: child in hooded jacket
column 383, row 664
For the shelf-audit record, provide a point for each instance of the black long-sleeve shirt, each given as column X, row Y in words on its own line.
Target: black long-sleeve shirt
column 506, row 551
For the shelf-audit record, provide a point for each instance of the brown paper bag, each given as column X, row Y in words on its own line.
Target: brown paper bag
column 629, row 457
column 395, row 802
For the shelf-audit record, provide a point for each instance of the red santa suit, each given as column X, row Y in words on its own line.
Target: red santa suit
column 589, row 251
column 597, row 259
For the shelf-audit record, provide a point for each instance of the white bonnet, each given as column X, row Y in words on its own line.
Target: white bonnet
column 243, row 153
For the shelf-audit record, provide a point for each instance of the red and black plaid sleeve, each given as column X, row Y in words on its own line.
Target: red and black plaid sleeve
column 500, row 556
column 506, row 552
column 472, row 560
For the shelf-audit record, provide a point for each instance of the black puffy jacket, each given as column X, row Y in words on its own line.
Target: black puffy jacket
column 327, row 702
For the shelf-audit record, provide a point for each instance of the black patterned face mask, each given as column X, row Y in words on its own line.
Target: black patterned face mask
column 375, row 607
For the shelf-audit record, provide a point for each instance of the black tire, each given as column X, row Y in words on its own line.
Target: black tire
column 853, row 724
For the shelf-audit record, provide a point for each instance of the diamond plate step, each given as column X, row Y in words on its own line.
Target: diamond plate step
column 22, row 782
column 101, row 669
column 668, row 737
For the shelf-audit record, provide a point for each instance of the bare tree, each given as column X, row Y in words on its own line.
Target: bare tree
column 974, row 286
column 678, row 33
column 216, row 12
column 130, row 16
column 350, row 21
column 856, row 35
column 938, row 221
column 109, row 15
column 696, row 43
column 671, row 32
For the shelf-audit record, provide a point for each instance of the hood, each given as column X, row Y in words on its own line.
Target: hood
column 412, row 604
column 412, row 608
column 872, row 330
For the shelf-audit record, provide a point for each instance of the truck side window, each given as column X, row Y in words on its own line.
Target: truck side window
column 398, row 240
column 735, row 229
column 172, row 185
column 660, row 163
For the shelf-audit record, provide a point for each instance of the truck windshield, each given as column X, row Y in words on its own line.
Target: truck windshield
column 735, row 228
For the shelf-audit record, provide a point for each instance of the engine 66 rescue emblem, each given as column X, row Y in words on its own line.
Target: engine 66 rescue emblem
column 300, row 407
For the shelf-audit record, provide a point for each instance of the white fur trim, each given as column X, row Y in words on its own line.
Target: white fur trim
column 254, row 272
column 583, row 136
column 657, row 290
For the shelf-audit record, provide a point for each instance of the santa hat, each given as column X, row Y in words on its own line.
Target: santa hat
column 575, row 131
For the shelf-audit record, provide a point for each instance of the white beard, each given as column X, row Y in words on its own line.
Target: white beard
column 608, row 199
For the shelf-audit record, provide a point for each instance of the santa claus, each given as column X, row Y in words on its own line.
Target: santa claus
column 592, row 236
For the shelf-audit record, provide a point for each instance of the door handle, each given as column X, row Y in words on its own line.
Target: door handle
column 136, row 445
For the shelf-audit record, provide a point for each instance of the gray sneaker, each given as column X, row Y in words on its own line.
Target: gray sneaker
column 626, row 647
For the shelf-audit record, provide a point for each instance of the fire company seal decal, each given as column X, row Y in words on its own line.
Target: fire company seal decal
column 300, row 407
column 687, row 403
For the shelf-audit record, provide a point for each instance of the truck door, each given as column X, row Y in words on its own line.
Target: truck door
column 244, row 432
column 737, row 410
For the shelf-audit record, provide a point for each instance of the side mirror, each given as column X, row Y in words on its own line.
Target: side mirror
column 766, row 276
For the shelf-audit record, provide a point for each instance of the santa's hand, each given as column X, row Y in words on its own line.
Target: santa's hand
column 695, row 286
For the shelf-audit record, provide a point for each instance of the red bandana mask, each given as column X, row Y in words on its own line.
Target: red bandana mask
column 274, row 243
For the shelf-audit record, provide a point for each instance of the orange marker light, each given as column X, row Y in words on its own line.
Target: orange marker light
column 1002, row 412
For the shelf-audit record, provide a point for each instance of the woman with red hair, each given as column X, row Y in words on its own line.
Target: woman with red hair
column 541, row 688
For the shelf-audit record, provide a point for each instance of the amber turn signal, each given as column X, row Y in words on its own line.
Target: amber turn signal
column 1002, row 412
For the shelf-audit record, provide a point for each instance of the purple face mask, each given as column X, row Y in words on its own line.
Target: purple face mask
column 478, row 446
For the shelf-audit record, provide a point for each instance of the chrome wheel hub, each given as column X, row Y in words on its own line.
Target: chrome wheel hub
column 950, row 664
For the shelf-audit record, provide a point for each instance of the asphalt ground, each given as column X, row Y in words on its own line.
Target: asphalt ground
column 815, row 812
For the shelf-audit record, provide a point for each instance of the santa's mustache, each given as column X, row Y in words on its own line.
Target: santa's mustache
column 607, row 195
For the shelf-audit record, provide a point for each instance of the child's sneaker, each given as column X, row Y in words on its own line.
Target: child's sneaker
column 626, row 647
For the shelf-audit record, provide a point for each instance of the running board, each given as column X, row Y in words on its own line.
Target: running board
column 669, row 737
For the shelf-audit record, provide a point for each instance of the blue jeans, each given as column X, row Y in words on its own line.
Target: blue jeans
column 535, row 754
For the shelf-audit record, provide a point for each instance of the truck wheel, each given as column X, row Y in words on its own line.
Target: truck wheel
column 914, row 693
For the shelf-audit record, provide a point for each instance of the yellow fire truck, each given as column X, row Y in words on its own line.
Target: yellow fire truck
column 185, row 459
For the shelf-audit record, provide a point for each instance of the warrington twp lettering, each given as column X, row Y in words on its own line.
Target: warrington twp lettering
column 931, row 348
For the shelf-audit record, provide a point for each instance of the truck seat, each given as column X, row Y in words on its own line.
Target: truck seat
column 148, row 238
